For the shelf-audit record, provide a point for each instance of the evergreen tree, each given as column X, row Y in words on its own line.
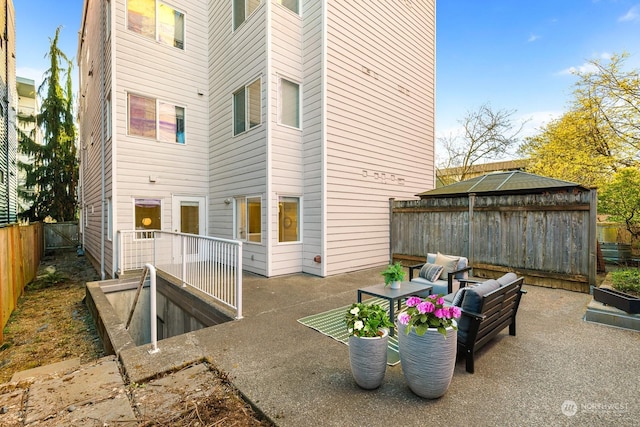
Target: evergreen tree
column 53, row 175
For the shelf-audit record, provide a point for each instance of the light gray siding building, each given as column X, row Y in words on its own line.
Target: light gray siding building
column 285, row 124
column 8, row 116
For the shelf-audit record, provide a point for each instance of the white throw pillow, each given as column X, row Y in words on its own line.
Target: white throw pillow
column 449, row 263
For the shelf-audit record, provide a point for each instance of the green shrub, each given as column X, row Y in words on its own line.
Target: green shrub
column 50, row 278
column 627, row 280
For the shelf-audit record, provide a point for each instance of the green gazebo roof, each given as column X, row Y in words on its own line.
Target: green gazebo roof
column 502, row 182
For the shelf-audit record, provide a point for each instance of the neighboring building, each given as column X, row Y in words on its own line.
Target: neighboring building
column 8, row 134
column 287, row 124
column 27, row 107
column 449, row 176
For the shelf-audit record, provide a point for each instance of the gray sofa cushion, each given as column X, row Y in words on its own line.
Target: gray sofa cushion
column 471, row 302
column 507, row 278
column 458, row 296
column 473, row 296
column 438, row 287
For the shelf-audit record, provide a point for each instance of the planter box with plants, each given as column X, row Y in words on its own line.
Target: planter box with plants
column 625, row 295
column 617, row 299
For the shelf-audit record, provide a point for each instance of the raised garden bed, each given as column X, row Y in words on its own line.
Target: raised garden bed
column 617, row 299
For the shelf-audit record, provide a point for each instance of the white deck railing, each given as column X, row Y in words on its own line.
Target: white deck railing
column 211, row 265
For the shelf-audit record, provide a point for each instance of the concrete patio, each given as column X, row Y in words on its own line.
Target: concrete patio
column 558, row 370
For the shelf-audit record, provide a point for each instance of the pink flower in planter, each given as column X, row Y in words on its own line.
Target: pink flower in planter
column 455, row 311
column 413, row 301
column 404, row 318
column 431, row 312
column 425, row 307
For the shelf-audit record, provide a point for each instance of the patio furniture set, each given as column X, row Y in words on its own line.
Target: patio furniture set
column 487, row 306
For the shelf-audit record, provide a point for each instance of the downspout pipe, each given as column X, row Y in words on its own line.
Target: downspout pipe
column 6, row 130
column 102, row 143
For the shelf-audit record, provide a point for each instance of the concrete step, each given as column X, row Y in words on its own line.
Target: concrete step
column 95, row 394
column 607, row 315
column 65, row 366
column 90, row 395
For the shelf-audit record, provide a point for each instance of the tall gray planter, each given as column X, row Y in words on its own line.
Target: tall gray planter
column 368, row 359
column 428, row 360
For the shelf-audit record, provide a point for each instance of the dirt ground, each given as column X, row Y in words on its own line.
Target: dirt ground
column 52, row 323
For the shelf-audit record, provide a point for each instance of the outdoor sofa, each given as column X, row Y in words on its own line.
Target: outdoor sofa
column 487, row 308
column 454, row 268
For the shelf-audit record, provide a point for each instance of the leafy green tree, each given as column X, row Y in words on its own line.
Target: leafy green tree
column 488, row 135
column 612, row 96
column 571, row 148
column 621, row 199
column 53, row 175
column 600, row 133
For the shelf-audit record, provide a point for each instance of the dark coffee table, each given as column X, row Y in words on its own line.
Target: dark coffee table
column 406, row 290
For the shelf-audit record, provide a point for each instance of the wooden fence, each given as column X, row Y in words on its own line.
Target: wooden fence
column 61, row 235
column 21, row 250
column 549, row 238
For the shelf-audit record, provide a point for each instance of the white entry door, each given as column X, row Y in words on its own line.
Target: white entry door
column 189, row 216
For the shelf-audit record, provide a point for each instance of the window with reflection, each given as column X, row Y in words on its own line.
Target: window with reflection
column 157, row 21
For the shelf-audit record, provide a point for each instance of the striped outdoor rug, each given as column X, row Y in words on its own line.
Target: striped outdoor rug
column 332, row 324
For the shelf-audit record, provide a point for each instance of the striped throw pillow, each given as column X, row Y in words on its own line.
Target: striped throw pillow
column 431, row 272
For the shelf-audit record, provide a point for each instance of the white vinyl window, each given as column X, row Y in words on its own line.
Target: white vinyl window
column 248, row 219
column 289, row 103
column 147, row 216
column 156, row 20
column 288, row 219
column 155, row 119
column 171, row 123
column 242, row 9
column 292, row 5
column 247, row 110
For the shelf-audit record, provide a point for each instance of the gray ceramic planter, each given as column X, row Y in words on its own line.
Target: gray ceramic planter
column 428, row 360
column 368, row 359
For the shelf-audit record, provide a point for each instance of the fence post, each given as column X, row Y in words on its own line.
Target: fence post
column 593, row 231
column 472, row 202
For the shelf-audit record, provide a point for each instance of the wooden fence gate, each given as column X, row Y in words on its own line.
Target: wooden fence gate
column 61, row 235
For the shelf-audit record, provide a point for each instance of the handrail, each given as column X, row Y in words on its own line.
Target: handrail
column 135, row 299
column 209, row 264
column 154, row 316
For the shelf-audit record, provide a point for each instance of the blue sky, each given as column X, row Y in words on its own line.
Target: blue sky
column 517, row 55
column 36, row 23
column 511, row 54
